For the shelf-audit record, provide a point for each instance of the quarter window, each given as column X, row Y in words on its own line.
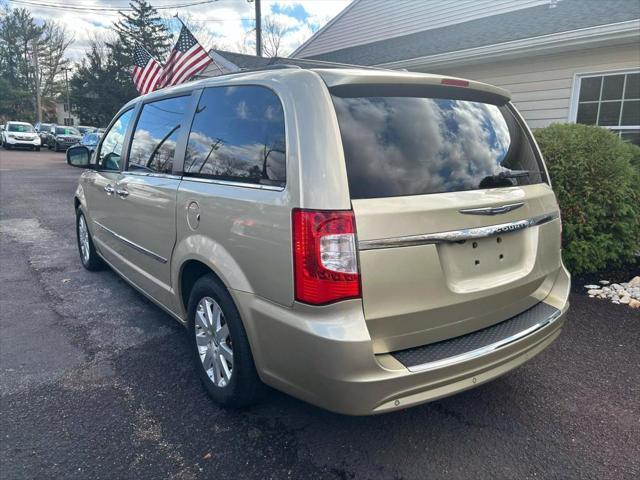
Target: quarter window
column 238, row 134
column 611, row 101
column 111, row 148
column 153, row 146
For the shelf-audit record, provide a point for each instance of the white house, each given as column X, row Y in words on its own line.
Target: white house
column 562, row 60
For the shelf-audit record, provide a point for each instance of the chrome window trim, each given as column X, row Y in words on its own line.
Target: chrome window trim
column 230, row 183
column 487, row 349
column 151, row 174
column 456, row 235
column 133, row 245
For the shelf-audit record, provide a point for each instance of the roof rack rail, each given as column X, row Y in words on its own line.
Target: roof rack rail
column 278, row 66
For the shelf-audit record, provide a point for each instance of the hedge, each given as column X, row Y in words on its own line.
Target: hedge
column 596, row 177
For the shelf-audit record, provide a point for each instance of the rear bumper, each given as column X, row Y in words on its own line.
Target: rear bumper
column 324, row 355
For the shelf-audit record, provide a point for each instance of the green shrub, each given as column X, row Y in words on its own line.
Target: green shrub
column 599, row 194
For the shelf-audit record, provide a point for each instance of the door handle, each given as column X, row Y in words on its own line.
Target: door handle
column 122, row 192
column 109, row 189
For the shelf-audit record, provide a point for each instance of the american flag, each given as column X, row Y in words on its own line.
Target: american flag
column 187, row 58
column 146, row 70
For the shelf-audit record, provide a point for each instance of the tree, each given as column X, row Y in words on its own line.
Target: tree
column 272, row 33
column 144, row 26
column 21, row 40
column 100, row 86
column 102, row 83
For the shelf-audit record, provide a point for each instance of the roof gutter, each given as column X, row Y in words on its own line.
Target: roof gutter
column 611, row 34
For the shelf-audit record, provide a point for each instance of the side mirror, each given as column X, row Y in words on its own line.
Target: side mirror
column 79, row 156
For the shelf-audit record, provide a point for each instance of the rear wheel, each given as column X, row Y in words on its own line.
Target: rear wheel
column 221, row 351
column 88, row 256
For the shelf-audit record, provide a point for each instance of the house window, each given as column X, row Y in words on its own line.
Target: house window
column 610, row 100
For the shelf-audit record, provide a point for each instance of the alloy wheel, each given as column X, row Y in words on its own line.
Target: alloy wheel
column 214, row 342
column 83, row 237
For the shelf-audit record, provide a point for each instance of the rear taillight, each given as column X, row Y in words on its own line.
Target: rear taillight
column 324, row 256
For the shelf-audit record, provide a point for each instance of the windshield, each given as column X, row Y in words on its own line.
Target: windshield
column 18, row 127
column 66, row 131
column 414, row 145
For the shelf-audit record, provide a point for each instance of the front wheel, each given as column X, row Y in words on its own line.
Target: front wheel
column 37, row 149
column 88, row 256
column 221, row 351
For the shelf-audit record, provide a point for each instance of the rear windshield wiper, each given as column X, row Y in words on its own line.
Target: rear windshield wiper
column 514, row 174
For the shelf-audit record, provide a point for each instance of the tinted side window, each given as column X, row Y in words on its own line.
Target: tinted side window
column 238, row 134
column 153, row 146
column 111, row 148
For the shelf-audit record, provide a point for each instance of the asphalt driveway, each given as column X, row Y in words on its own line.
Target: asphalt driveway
column 95, row 382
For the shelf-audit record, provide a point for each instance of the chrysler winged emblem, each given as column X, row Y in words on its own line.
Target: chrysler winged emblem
column 491, row 210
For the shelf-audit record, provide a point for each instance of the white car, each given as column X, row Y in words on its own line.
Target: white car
column 20, row 134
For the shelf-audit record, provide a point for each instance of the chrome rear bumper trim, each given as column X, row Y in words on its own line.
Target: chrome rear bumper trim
column 456, row 235
column 536, row 318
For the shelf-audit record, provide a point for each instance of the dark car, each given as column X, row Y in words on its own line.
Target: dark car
column 43, row 130
column 61, row 138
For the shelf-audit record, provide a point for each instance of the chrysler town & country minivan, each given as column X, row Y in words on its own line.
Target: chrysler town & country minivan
column 364, row 240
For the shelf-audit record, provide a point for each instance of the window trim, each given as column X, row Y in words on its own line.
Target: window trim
column 575, row 94
column 220, row 181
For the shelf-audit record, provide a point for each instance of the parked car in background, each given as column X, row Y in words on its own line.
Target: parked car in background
column 61, row 138
column 43, row 130
column 90, row 140
column 364, row 240
column 20, row 135
column 84, row 129
column 1, row 130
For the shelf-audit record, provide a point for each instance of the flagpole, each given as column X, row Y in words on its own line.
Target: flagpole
column 214, row 62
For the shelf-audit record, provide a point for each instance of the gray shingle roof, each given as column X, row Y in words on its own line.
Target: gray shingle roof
column 526, row 23
column 251, row 62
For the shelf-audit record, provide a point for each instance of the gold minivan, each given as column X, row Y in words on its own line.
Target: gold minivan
column 365, row 240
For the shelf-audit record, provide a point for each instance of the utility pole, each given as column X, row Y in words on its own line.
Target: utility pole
column 258, row 29
column 36, row 79
column 66, row 81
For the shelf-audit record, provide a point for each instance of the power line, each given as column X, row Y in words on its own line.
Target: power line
column 60, row 6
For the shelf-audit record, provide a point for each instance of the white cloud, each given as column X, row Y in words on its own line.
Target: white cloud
column 225, row 23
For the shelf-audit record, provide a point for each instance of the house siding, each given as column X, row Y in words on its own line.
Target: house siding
column 541, row 87
column 368, row 21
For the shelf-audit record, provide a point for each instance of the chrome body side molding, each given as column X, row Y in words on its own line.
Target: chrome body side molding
column 456, row 235
column 133, row 245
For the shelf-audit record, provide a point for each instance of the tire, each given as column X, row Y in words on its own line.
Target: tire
column 244, row 387
column 55, row 147
column 37, row 149
column 48, row 146
column 90, row 260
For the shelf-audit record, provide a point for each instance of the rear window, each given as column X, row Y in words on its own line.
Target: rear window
column 398, row 145
column 66, row 131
